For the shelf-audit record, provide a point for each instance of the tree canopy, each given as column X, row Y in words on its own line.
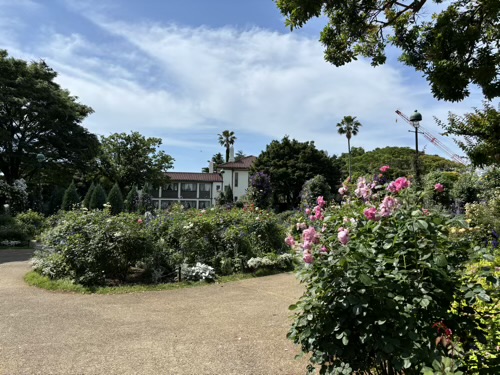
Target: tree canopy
column 479, row 134
column 457, row 46
column 227, row 139
column 130, row 159
column 289, row 164
column 400, row 160
column 37, row 116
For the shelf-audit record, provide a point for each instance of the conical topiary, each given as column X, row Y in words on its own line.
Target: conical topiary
column 145, row 201
column 132, row 200
column 115, row 199
column 86, row 200
column 98, row 198
column 71, row 198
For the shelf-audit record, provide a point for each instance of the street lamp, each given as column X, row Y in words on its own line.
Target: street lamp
column 415, row 119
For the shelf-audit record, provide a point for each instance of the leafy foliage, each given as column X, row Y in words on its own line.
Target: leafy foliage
column 88, row 196
column 98, row 198
column 32, row 222
column 456, row 47
column 37, row 115
column 132, row 200
column 313, row 188
column 145, row 201
column 227, row 139
column 130, row 159
column 478, row 133
column 15, row 195
column 290, row 164
column 115, row 199
column 71, row 198
column 350, row 127
column 381, row 272
column 259, row 193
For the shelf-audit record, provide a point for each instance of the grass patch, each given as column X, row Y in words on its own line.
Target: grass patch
column 64, row 285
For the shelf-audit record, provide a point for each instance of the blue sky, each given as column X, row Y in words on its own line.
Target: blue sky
column 185, row 70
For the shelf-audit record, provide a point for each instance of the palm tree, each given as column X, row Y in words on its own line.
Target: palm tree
column 227, row 139
column 350, row 127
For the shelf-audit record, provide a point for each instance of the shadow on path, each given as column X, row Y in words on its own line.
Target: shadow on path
column 15, row 255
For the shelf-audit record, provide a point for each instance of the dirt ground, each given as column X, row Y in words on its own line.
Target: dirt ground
column 234, row 328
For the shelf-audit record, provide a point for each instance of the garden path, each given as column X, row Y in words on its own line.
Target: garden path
column 234, row 328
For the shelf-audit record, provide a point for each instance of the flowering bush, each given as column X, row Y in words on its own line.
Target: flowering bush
column 380, row 271
column 200, row 272
column 272, row 262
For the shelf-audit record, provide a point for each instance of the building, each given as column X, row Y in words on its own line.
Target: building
column 236, row 174
column 200, row 190
column 192, row 190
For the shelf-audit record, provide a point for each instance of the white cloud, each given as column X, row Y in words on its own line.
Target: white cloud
column 187, row 84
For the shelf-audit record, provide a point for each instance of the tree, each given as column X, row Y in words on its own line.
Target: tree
column 145, row 201
column 98, row 198
column 456, row 47
column 350, row 127
column 115, row 199
column 289, row 164
column 479, row 134
column 132, row 200
column 217, row 159
column 239, row 155
column 399, row 159
column 37, row 116
column 260, row 190
column 71, row 198
column 130, row 159
column 88, row 196
column 312, row 189
column 227, row 139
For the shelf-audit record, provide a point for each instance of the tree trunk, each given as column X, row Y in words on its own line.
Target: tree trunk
column 349, row 149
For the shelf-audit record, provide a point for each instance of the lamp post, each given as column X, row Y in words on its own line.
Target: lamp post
column 415, row 119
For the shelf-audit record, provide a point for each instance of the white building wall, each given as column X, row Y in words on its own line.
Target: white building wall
column 229, row 180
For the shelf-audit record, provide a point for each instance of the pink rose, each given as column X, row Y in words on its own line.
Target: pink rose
column 384, row 168
column 324, row 250
column 310, row 235
column 388, row 206
column 139, row 221
column 400, row 184
column 372, row 214
column 308, row 211
column 308, row 258
column 439, row 187
column 321, row 202
column 343, row 235
column 290, row 241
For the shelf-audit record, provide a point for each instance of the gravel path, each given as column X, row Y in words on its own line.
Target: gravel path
column 235, row 328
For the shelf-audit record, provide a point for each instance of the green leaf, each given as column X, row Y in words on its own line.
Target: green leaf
column 292, row 307
column 423, row 224
column 365, row 279
column 345, row 340
column 441, row 260
column 484, row 297
column 424, row 302
column 489, row 257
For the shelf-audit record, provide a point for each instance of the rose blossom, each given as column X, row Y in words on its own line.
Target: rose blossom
column 388, row 206
column 290, row 241
column 400, row 184
column 384, row 168
column 308, row 258
column 343, row 235
column 439, row 187
column 321, row 202
column 372, row 214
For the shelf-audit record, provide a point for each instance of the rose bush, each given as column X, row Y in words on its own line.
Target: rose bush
column 380, row 270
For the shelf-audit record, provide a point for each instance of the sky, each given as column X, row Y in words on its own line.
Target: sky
column 186, row 70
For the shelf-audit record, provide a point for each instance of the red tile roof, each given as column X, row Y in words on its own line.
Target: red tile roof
column 243, row 163
column 194, row 176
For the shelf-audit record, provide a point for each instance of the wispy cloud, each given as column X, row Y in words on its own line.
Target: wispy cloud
column 186, row 84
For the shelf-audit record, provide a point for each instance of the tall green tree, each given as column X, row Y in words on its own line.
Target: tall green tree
column 289, row 164
column 115, row 199
column 132, row 200
column 88, row 196
column 479, row 134
column 350, row 127
column 37, row 116
column 227, row 139
column 71, row 198
column 98, row 198
column 130, row 159
column 455, row 47
column 145, row 199
column 217, row 159
column 239, row 155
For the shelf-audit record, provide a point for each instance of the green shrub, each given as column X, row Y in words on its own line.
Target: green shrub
column 115, row 199
column 56, row 199
column 381, row 278
column 312, row 189
column 88, row 196
column 448, row 180
column 132, row 200
column 98, row 198
column 32, row 222
column 90, row 247
column 145, row 201
column 13, row 233
column 71, row 198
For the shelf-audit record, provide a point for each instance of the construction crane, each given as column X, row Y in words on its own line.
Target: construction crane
column 434, row 140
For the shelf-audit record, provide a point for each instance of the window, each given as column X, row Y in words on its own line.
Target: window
column 171, row 187
column 235, row 179
column 204, row 187
column 217, row 188
column 189, row 204
column 188, row 187
column 203, row 204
